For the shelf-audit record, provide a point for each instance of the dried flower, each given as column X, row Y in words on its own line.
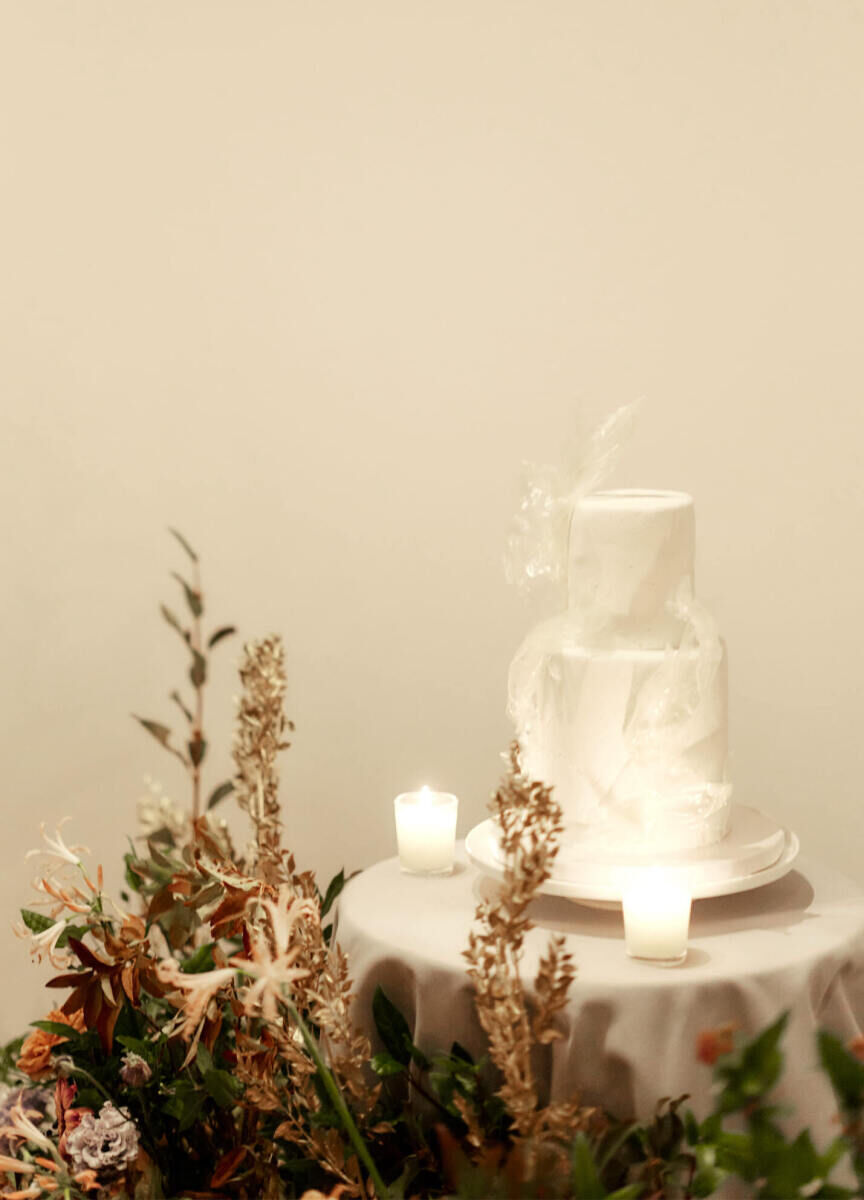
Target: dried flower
column 272, row 957
column 529, row 822
column 57, row 848
column 36, row 1102
column 21, row 1126
column 856, row 1046
column 712, row 1044
column 107, row 1144
column 135, row 1071
column 261, row 727
column 158, row 811
column 37, row 1048
column 44, row 945
column 198, row 990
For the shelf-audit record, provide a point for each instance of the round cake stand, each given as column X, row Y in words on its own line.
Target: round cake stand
column 724, row 869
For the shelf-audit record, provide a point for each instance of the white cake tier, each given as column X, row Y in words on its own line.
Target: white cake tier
column 630, row 558
column 633, row 741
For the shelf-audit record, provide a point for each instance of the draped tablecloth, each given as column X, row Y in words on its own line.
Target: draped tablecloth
column 630, row 1028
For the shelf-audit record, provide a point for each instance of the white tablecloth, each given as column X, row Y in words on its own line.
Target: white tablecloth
column 631, row 1028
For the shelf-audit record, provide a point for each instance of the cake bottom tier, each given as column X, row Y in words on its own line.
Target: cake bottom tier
column 634, row 742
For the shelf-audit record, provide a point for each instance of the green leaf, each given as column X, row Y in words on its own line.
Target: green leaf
column 185, row 1104
column 457, row 1050
column 178, row 700
column 161, row 733
column 201, row 960
column 198, row 670
column 386, row 1064
column 134, row 881
column 57, row 1027
column 392, row 1027
column 180, row 538
column 71, row 931
column 753, row 1071
column 139, row 1046
column 197, row 748
column 222, row 1087
column 631, row 1191
column 90, row 1097
column 203, row 1059
column 193, row 598
column 334, row 888
column 218, row 794
column 174, row 622
column 36, row 922
column 587, row 1184
column 9, row 1055
column 219, row 634
column 844, row 1070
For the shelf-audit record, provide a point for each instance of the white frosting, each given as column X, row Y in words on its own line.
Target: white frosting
column 621, row 703
column 630, row 556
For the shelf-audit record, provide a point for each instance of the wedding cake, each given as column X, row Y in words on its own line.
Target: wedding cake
column 620, row 702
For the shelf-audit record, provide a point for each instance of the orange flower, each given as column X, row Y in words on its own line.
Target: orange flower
column 856, row 1046
column 712, row 1044
column 36, row 1051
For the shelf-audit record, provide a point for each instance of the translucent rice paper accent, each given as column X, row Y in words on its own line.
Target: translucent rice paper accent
column 669, row 718
column 536, row 557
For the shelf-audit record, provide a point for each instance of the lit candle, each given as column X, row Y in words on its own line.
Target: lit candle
column 426, row 831
column 656, row 916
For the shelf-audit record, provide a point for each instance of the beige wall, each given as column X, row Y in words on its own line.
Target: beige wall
column 311, row 280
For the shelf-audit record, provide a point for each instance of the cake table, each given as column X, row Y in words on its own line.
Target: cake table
column 630, row 1028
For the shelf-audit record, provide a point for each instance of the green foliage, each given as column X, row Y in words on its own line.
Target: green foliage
column 191, row 594
column 219, row 794
column 394, row 1031
column 845, row 1072
column 38, row 923
column 751, row 1073
column 219, row 634
column 181, row 539
column 8, row 1057
column 199, row 960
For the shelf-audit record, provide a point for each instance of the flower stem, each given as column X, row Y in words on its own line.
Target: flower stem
column 339, row 1104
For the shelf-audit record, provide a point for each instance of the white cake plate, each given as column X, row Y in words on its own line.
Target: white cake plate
column 741, row 862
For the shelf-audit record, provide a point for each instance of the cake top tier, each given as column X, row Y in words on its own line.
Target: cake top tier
column 630, row 557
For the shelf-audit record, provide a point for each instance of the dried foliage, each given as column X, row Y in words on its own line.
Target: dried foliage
column 529, row 823
column 200, row 1040
column 261, row 728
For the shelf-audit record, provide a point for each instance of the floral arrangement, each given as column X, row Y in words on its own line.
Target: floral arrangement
column 201, row 1040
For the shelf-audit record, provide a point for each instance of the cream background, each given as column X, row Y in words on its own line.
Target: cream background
column 310, row 280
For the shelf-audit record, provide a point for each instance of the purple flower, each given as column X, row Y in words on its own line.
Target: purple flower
column 135, row 1071
column 107, row 1144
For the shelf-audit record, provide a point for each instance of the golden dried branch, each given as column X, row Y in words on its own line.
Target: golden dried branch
column 529, row 823
column 551, row 987
column 261, row 728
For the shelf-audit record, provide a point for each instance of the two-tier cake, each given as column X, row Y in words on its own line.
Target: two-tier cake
column 620, row 704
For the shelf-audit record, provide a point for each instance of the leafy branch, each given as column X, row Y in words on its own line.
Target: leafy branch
column 198, row 645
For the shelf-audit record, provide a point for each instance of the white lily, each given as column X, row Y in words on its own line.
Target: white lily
column 57, row 848
column 22, row 1127
column 199, row 989
column 272, row 967
column 44, row 945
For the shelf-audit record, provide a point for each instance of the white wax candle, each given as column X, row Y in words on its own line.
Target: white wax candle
column 656, row 907
column 426, row 831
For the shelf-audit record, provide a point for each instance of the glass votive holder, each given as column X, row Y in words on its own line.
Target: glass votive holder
column 426, row 831
column 656, row 906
